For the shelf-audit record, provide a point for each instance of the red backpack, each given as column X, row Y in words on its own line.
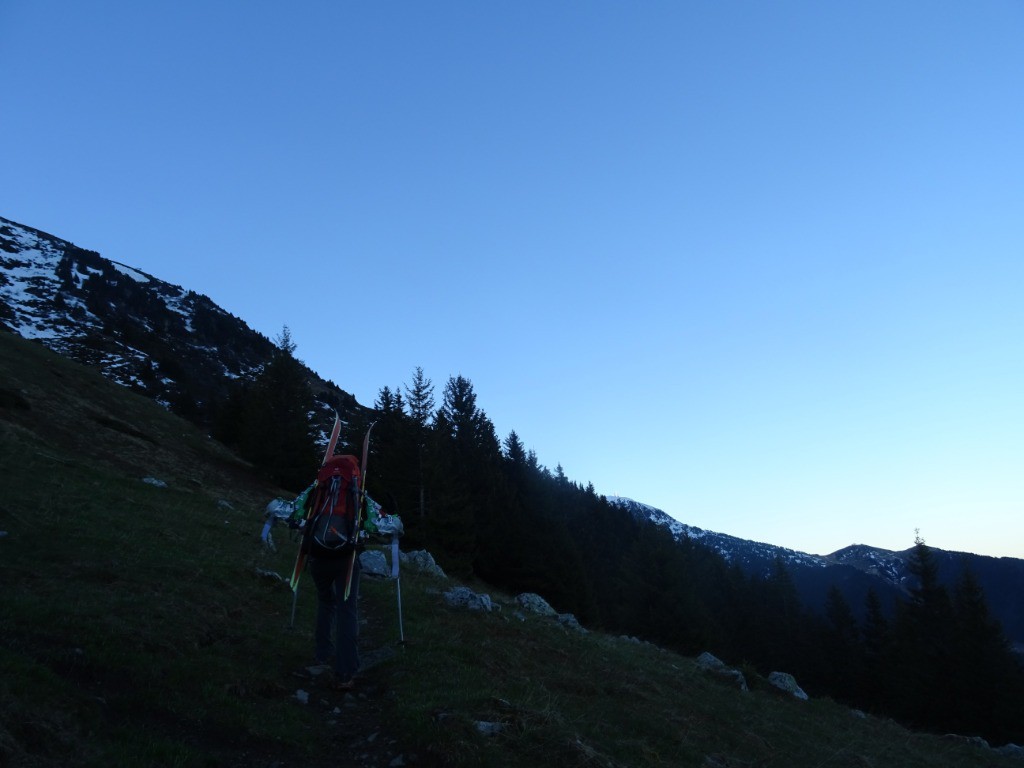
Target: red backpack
column 330, row 528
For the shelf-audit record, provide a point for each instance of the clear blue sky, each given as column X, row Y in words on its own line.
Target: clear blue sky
column 760, row 264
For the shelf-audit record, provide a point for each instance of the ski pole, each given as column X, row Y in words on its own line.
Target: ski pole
column 398, row 591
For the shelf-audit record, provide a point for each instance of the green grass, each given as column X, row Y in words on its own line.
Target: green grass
column 570, row 700
column 135, row 629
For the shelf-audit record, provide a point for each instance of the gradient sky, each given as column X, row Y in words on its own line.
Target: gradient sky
column 759, row 264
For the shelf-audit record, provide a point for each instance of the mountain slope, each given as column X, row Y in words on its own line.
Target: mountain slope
column 140, row 627
column 182, row 350
column 171, row 344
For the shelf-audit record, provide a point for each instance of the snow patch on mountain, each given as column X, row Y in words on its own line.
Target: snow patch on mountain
column 173, row 345
column 878, row 562
column 751, row 554
column 138, row 330
column 134, row 274
column 28, row 283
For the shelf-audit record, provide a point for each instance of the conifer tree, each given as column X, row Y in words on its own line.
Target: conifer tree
column 950, row 664
column 388, row 402
column 780, row 618
column 923, row 648
column 392, row 453
column 420, row 402
column 841, row 646
column 275, row 431
column 876, row 643
column 467, row 455
column 420, row 399
column 876, row 632
column 986, row 664
column 514, row 450
column 459, row 413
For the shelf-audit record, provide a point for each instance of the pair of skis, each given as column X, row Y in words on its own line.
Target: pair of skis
column 357, row 524
column 300, row 559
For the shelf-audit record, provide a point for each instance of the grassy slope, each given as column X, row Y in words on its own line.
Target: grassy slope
column 134, row 629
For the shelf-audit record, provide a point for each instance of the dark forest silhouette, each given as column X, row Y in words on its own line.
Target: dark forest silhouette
column 487, row 508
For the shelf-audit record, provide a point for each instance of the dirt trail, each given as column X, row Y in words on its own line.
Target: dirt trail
column 359, row 719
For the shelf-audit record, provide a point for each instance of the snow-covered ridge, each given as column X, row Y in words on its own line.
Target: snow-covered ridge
column 753, row 554
column 140, row 331
column 170, row 344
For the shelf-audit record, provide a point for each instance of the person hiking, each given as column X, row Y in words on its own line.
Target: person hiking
column 330, row 540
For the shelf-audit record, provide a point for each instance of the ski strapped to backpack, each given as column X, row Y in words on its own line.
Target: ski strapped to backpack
column 300, row 558
column 359, row 510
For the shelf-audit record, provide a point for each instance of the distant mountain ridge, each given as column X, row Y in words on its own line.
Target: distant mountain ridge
column 857, row 568
column 181, row 349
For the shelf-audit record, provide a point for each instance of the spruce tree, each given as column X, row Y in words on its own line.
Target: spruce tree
column 514, row 450
column 923, row 646
column 420, row 399
column 392, row 452
column 420, row 403
column 466, row 453
column 781, row 614
column 841, row 647
column 275, row 431
column 987, row 681
column 876, row 637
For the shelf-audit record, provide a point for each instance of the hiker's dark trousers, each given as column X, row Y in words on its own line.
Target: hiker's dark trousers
column 333, row 611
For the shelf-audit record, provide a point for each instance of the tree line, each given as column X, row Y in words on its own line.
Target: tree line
column 485, row 507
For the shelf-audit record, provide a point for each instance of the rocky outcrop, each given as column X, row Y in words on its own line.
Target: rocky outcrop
column 464, row 597
column 374, row 564
column 786, row 683
column 421, row 561
column 534, row 603
column 715, row 666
